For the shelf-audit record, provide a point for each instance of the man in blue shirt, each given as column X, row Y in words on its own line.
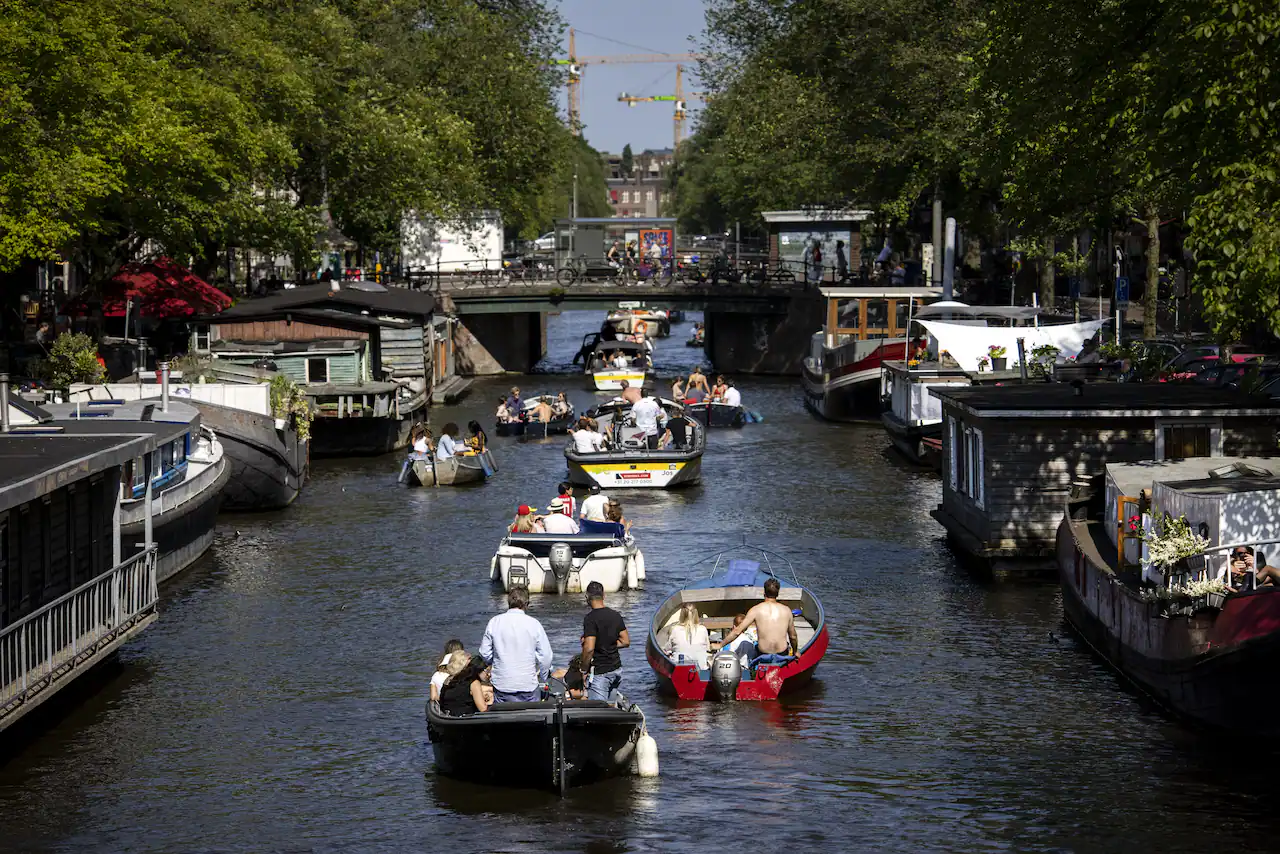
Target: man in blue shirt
column 517, row 647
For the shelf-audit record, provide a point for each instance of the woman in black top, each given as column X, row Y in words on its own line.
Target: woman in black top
column 456, row 696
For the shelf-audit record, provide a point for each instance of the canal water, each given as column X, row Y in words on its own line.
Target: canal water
column 278, row 703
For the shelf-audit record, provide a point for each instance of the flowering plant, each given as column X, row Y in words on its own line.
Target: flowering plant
column 983, row 362
column 921, row 354
column 913, row 363
column 1182, row 376
column 996, row 351
column 1170, row 540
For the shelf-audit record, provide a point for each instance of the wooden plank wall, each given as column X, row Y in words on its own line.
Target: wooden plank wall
column 281, row 330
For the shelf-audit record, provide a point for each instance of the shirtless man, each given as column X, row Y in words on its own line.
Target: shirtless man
column 630, row 393
column 773, row 622
column 698, row 380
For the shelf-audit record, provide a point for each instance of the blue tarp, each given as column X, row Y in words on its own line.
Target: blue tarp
column 742, row 573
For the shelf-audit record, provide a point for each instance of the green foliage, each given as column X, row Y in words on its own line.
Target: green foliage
column 73, row 358
column 288, row 400
column 628, row 160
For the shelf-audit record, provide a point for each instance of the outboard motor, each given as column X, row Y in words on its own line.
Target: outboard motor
column 726, row 673
column 561, row 559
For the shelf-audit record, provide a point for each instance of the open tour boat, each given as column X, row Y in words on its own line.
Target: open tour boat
column 567, row 563
column 629, row 463
column 735, row 586
column 652, row 323
column 536, row 429
column 608, row 378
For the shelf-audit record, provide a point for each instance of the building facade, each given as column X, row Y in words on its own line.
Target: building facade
column 646, row 190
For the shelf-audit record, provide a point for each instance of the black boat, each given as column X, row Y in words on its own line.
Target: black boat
column 548, row 745
column 717, row 414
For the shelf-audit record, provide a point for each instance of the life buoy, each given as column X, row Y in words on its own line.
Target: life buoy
column 640, row 326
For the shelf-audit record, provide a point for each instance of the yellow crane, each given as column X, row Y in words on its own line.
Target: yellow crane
column 681, row 105
column 577, row 65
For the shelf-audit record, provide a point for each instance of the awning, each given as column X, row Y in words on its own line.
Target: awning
column 159, row 289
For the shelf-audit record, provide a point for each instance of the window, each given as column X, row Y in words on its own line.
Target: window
column 180, row 449
column 166, row 456
column 966, row 458
column 1180, row 440
column 648, row 195
column 626, row 196
column 200, row 338
column 317, row 370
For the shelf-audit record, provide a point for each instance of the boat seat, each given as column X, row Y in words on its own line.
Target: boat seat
column 539, row 545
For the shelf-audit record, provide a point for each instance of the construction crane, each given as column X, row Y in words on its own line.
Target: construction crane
column 577, row 64
column 678, row 98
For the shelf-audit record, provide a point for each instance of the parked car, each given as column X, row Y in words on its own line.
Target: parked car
column 545, row 243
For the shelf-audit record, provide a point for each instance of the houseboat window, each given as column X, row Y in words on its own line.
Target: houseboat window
column 901, row 311
column 166, row 456
column 877, row 318
column 180, row 449
column 138, row 480
column 967, row 476
column 200, row 338
column 317, row 370
column 1186, row 441
column 4, row 570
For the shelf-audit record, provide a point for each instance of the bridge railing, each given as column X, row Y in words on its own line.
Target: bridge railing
column 45, row 647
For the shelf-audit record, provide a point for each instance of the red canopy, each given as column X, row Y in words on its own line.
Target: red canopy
column 159, row 289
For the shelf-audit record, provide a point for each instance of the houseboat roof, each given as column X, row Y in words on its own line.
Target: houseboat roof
column 1199, row 475
column 270, row 348
column 958, row 309
column 1103, row 400
column 349, row 298
column 329, row 316
column 146, row 414
column 34, row 465
column 880, row 293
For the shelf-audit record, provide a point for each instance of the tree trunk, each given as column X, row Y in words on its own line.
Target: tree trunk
column 1153, row 274
column 1046, row 275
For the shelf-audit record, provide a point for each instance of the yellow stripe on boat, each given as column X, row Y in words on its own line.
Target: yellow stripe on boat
column 595, row 468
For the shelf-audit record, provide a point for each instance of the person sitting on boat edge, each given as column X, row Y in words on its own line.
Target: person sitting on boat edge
column 458, row 696
column 421, row 440
column 561, row 407
column 603, row 633
column 718, row 390
column 593, row 506
column 525, row 522
column 515, row 404
column 697, row 379
column 613, row 513
column 775, row 625
column 566, row 495
column 442, row 670
column 677, row 390
column 556, row 521
column 586, row 440
column 517, row 647
column 688, row 638
column 479, row 440
column 575, row 681
column 731, row 396
column 448, row 444
column 541, row 412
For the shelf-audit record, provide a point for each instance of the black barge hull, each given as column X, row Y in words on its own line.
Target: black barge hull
column 268, row 466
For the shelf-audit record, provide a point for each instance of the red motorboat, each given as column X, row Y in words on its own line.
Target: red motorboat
column 733, row 588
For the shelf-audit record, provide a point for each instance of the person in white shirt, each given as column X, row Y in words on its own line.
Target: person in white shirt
column 556, row 522
column 731, row 397
column 594, row 504
column 586, row 440
column 448, row 445
column 620, row 360
column 650, row 418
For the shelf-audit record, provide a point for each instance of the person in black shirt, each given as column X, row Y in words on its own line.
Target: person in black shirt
column 603, row 634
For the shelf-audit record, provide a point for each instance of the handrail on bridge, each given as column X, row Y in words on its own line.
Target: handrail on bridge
column 45, row 647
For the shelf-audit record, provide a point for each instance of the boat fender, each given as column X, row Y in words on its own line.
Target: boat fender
column 633, row 576
column 646, row 755
column 493, row 568
column 640, row 565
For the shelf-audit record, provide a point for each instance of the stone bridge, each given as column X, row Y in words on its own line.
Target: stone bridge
column 755, row 328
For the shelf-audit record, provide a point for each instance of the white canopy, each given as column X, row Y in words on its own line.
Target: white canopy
column 967, row 343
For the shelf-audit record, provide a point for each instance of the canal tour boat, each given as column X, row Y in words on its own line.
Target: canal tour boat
column 864, row 327
column 607, row 378
column 628, row 463
column 525, row 426
column 567, row 563
column 735, row 586
column 553, row 744
column 1207, row 653
column 460, row 469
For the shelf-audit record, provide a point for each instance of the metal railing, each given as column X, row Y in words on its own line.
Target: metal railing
column 46, row 646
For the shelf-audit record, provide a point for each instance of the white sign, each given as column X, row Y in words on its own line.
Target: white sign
column 629, row 303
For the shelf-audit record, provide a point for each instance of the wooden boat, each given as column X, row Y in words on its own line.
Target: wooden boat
column 1212, row 660
column 717, row 414
column 426, row 470
column 629, row 463
column 553, row 744
column 734, row 587
column 603, row 552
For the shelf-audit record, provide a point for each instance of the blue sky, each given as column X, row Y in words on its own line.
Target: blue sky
column 658, row 26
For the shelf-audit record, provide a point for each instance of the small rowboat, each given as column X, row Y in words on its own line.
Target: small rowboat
column 548, row 745
column 733, row 588
column 426, row 470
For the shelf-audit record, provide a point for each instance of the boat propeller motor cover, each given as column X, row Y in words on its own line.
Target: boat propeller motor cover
column 561, row 559
column 726, row 673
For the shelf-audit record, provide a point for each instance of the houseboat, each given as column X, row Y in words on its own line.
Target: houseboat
column 912, row 417
column 73, row 592
column 188, row 472
column 864, row 327
column 267, row 454
column 1200, row 637
column 1011, row 453
column 362, row 354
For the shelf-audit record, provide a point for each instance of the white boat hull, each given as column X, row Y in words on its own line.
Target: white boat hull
column 611, row 380
column 638, row 475
column 617, row 568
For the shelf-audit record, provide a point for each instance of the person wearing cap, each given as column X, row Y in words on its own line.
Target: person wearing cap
column 603, row 633
column 557, row 521
column 594, row 504
column 526, row 522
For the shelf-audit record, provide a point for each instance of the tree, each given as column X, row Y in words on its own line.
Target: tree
column 628, row 161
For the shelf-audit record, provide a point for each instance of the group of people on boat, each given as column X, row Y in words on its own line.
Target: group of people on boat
column 696, row 389
column 450, row 442
column 768, row 628
column 514, row 662
column 599, row 514
column 512, row 408
column 661, row 431
column 618, row 359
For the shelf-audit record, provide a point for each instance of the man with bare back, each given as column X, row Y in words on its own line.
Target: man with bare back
column 773, row 622
column 697, row 379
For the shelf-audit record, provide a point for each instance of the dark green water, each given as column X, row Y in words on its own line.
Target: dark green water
column 277, row 705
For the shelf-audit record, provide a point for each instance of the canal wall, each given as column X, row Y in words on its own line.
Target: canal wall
column 487, row 344
column 776, row 344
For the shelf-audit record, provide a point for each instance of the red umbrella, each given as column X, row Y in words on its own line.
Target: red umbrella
column 159, row 289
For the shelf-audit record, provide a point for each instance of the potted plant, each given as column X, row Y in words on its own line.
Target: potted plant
column 997, row 354
column 983, row 363
column 288, row 401
column 1208, row 593
column 1043, row 358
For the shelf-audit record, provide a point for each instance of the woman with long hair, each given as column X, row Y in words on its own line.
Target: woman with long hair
column 455, row 696
column 479, row 439
column 448, row 444
column 526, row 522
column 689, row 638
